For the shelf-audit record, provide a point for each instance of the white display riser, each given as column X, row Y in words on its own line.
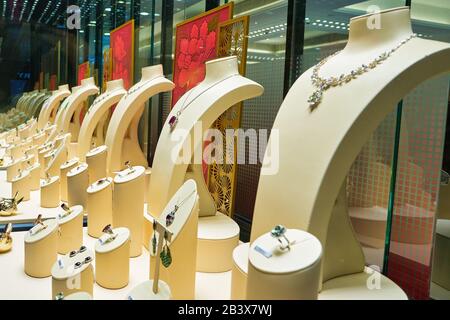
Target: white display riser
column 18, row 285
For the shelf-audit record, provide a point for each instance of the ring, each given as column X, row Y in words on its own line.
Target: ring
column 279, row 233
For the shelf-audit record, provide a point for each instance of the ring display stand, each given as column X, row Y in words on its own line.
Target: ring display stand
column 70, row 234
column 67, row 279
column 21, row 185
column 41, row 249
column 128, row 205
column 239, row 272
column 41, row 154
column 16, row 151
column 78, row 296
column 180, row 275
column 64, row 169
column 222, row 88
column 77, row 184
column 112, row 266
column 50, row 193
column 288, row 274
column 100, row 207
column 93, row 124
column 60, row 156
column 52, row 103
column 148, row 173
column 96, row 160
column 39, row 139
column 35, row 176
column 62, row 109
column 122, row 135
column 12, row 169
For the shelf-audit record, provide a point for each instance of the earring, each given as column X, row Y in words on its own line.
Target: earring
column 166, row 257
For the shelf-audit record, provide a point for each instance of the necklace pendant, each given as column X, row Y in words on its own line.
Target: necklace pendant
column 170, row 218
column 315, row 98
column 173, row 122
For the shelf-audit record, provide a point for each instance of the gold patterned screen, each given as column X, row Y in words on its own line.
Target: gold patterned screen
column 232, row 41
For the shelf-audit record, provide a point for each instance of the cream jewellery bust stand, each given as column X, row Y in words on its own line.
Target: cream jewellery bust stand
column 99, row 201
column 122, row 135
column 96, row 160
column 222, row 88
column 64, row 169
column 328, row 139
column 60, row 157
column 287, row 274
column 73, row 112
column 52, row 104
column 50, row 196
column 128, row 205
column 41, row 249
column 112, row 266
column 21, row 185
column 67, row 279
column 180, row 275
column 77, row 183
column 70, row 235
column 98, row 110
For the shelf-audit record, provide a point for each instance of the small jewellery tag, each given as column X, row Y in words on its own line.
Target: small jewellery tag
column 264, row 252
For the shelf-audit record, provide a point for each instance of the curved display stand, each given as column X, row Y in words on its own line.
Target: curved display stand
column 180, row 275
column 70, row 122
column 39, row 138
column 96, row 160
column 41, row 249
column 329, row 139
column 61, row 154
column 52, row 103
column 222, row 88
column 64, row 170
column 97, row 112
column 50, row 193
column 67, row 279
column 77, row 183
column 144, row 291
column 62, row 109
column 21, row 185
column 70, row 234
column 288, row 274
column 112, row 266
column 16, row 151
column 100, row 208
column 128, row 205
column 122, row 135
column 239, row 272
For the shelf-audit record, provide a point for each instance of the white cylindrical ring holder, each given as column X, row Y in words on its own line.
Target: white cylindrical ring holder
column 16, row 151
column 39, row 139
column 50, row 193
column 287, row 274
column 112, row 260
column 148, row 173
column 144, row 291
column 35, row 176
column 99, row 200
column 77, row 183
column 53, row 166
column 21, row 185
column 70, row 236
column 128, row 205
column 96, row 160
column 41, row 249
column 64, row 169
column 13, row 169
column 27, row 161
column 67, row 279
column 239, row 272
column 41, row 155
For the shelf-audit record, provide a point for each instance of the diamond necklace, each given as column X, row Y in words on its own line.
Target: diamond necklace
column 323, row 84
column 136, row 87
column 174, row 119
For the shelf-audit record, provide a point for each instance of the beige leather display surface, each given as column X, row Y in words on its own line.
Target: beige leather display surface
column 77, row 184
column 64, row 169
column 96, row 160
column 21, row 185
column 41, row 250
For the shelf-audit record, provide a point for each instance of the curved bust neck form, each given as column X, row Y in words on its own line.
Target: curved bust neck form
column 395, row 25
column 114, row 85
column 88, row 82
column 221, row 68
column 152, row 72
column 75, row 89
column 64, row 87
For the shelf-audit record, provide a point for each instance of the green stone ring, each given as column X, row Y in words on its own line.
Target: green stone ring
column 279, row 233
